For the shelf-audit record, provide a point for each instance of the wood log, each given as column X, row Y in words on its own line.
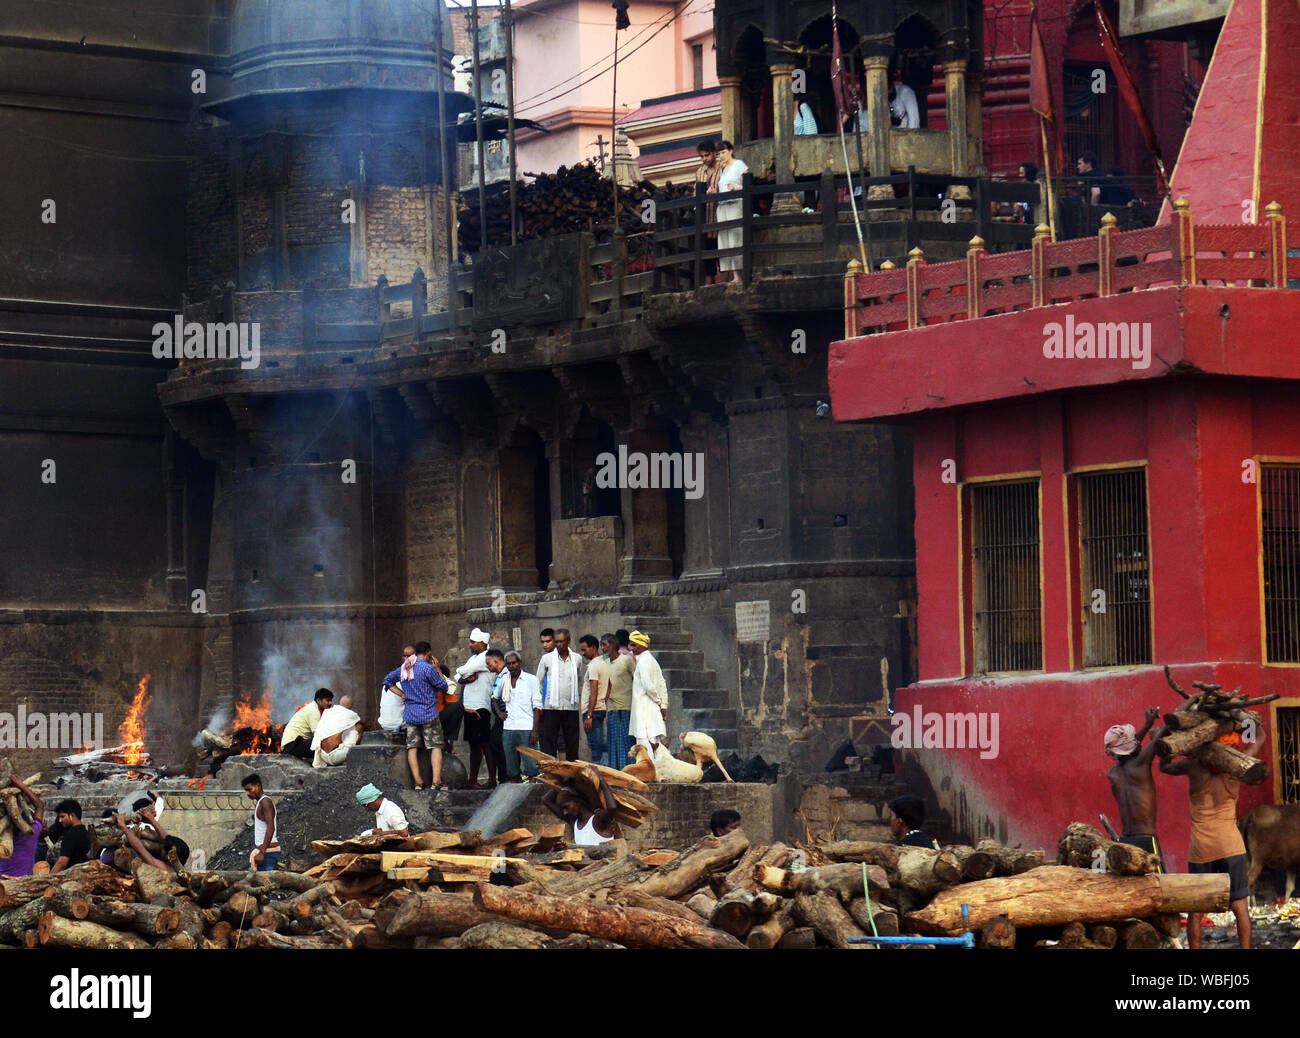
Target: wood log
column 153, row 883
column 633, row 898
column 742, row 873
column 15, row 814
column 1102, row 935
column 634, row 927
column 580, row 941
column 1010, row 861
column 220, row 931
column 1185, row 740
column 1170, row 924
column 828, row 917
column 20, row 918
column 975, row 865
column 93, row 877
column 1080, row 846
column 69, row 902
column 733, row 913
column 178, row 940
column 432, row 913
column 768, row 933
column 886, row 919
column 502, row 935
column 267, row 939
column 147, row 920
column 436, row 841
column 844, row 879
column 620, row 870
column 6, row 838
column 1124, row 859
column 692, row 868
column 998, row 932
column 1075, row 936
column 269, row 919
column 53, row 931
column 1233, row 763
column 1058, row 894
column 798, row 938
column 1137, row 933
column 240, row 908
column 702, row 904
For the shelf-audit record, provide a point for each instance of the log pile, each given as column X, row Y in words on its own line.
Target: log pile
column 573, row 198
column 629, row 791
column 16, row 813
column 1195, row 727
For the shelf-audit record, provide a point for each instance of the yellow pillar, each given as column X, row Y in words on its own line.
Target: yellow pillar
column 878, row 126
column 954, row 77
column 783, row 137
column 730, row 108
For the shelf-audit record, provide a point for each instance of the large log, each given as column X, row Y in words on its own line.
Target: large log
column 843, row 879
column 431, row 913
column 92, row 877
column 502, row 935
column 634, row 927
column 1232, row 762
column 1058, row 894
column 692, row 868
column 824, row 913
column 768, row 933
column 1081, row 844
column 634, row 898
column 20, row 918
column 998, row 932
column 737, row 911
column 54, row 931
column 1185, row 740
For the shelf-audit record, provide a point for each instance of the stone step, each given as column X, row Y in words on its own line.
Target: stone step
column 678, row 678
column 679, row 659
column 702, row 698
column 650, row 624
column 725, row 739
column 667, row 639
column 706, row 720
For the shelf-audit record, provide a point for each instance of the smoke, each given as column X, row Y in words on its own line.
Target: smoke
column 313, row 656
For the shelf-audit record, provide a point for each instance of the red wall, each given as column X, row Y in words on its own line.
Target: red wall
column 1204, row 550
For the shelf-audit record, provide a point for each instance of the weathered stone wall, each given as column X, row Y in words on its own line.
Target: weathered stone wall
column 586, row 552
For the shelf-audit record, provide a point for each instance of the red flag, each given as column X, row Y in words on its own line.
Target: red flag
column 1040, row 85
column 1128, row 87
column 843, row 85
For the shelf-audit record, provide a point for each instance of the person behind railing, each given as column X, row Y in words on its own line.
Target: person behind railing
column 1024, row 211
column 1086, row 164
column 730, row 178
column 805, row 122
column 707, row 174
column 905, row 113
column 1114, row 192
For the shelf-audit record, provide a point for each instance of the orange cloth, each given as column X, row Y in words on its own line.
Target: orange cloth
column 1214, row 819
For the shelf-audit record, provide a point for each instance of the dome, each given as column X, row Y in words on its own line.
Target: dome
column 303, row 46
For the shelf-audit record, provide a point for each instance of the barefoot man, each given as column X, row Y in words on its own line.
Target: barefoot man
column 1131, row 782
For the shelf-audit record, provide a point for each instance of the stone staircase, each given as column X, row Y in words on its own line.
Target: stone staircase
column 704, row 706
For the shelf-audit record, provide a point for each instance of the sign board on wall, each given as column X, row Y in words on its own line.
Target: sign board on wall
column 753, row 621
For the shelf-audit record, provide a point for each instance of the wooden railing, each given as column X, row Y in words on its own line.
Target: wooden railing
column 686, row 243
column 1178, row 253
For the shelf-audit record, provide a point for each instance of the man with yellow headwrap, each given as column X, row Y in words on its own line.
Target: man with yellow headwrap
column 649, row 719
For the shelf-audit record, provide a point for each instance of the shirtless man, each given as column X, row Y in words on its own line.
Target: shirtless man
column 1131, row 783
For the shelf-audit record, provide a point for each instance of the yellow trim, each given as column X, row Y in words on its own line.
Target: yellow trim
column 1286, row 704
column 1042, row 588
column 961, row 579
column 1151, row 562
column 1259, row 104
column 1260, row 461
column 1076, row 469
column 1009, row 478
column 1069, row 570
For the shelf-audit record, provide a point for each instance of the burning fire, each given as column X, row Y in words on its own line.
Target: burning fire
column 258, row 720
column 131, row 731
column 197, row 783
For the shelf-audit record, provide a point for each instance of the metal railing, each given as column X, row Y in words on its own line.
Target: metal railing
column 1178, row 253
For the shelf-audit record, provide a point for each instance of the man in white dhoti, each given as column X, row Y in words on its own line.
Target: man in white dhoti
column 649, row 719
column 339, row 730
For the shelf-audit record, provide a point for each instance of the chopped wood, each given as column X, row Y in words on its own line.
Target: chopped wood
column 768, row 933
column 364, row 844
column 432, row 913
column 702, row 904
column 998, row 932
column 1137, row 933
column 1083, row 846
column 502, row 935
column 634, row 927
column 800, row 937
column 508, row 837
column 53, row 931
column 885, row 919
column 828, row 917
column 634, row 898
column 1103, row 935
column 1058, row 894
column 843, row 879
column 691, row 869
column 437, row 841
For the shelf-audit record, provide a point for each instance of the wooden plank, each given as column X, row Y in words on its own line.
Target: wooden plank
column 434, row 875
column 436, row 841
column 573, row 769
column 508, row 837
column 436, row 859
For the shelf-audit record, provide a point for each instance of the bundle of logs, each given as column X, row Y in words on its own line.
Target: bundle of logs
column 1196, row 726
column 575, row 776
column 573, row 198
column 16, row 813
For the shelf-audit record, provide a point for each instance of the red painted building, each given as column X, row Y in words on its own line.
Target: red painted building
column 1110, row 422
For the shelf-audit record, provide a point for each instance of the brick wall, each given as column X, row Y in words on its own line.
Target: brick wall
column 402, row 225
column 432, row 545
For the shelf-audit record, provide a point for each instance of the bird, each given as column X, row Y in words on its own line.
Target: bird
column 704, row 749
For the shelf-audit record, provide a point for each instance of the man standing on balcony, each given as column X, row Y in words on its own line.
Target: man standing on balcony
column 730, row 178
column 904, row 112
column 707, row 174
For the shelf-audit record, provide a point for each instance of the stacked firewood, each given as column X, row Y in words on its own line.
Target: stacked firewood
column 573, row 198
column 16, row 813
column 575, row 776
column 1196, row 726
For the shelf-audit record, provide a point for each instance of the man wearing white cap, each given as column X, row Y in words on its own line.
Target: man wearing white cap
column 475, row 679
column 1131, row 782
column 649, row 719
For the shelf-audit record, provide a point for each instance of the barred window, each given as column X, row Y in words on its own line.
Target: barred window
column 1288, row 753
column 1279, row 493
column 1007, row 598
column 1115, row 568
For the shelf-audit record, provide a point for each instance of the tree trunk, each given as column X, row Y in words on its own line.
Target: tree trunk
column 844, row 879
column 1080, row 843
column 431, row 913
column 702, row 904
column 633, row 898
column 54, row 931
column 769, row 932
column 998, row 932
column 502, row 935
column 1185, row 740
column 1138, row 933
column 634, row 927
column 1232, row 762
column 1058, row 894
column 692, row 868
column 886, row 919
column 824, row 913
column 15, row 921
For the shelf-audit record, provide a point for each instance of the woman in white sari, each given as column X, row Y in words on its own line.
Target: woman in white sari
column 649, row 695
column 730, row 175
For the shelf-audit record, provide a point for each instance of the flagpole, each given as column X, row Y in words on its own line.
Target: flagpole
column 837, row 69
column 1047, row 169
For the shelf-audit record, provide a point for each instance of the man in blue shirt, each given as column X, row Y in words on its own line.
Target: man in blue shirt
column 420, row 712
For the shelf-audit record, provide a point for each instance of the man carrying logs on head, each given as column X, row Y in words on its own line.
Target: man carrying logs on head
column 1132, row 784
column 590, row 828
column 1216, row 844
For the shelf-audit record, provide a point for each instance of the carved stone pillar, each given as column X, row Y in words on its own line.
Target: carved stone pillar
column 878, row 125
column 783, row 136
column 645, row 518
column 730, row 108
column 954, row 77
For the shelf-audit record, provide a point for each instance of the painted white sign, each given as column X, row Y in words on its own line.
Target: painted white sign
column 753, row 621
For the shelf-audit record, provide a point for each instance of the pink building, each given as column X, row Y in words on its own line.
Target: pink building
column 564, row 70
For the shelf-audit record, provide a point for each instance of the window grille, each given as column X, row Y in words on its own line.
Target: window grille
column 1005, row 543
column 1288, row 753
column 1280, row 526
column 1115, row 568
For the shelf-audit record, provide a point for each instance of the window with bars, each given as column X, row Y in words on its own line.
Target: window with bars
column 1279, row 493
column 1288, row 753
column 1007, row 597
column 1115, row 568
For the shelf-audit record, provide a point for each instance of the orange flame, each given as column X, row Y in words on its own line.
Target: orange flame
column 132, row 729
column 197, row 783
column 257, row 718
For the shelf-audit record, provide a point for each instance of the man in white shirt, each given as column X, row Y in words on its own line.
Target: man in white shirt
column 475, row 680
column 804, row 120
column 520, row 693
column 905, row 112
column 389, row 818
column 595, row 692
column 560, row 673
